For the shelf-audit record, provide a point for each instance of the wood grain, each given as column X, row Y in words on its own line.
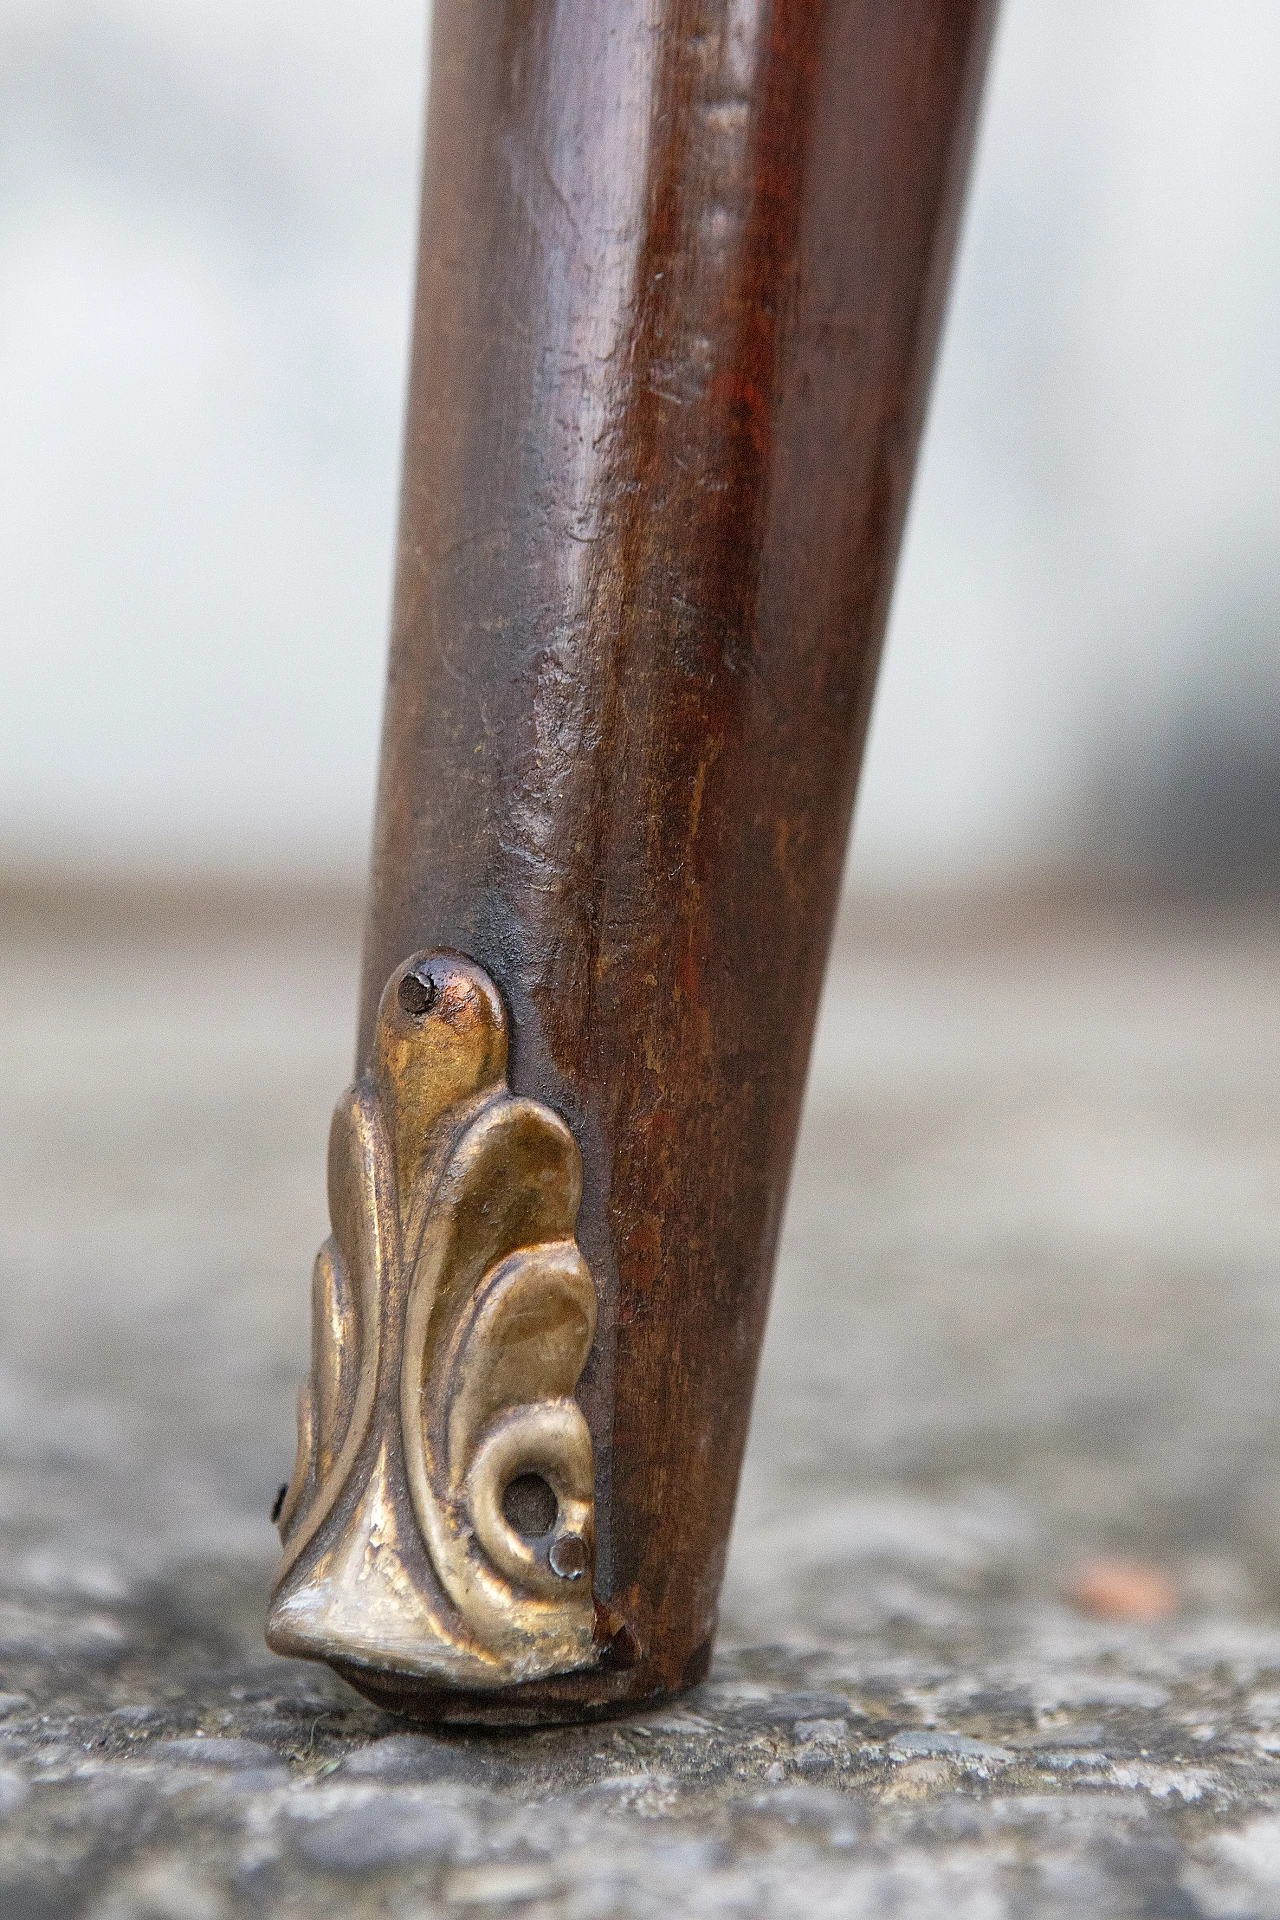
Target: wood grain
column 682, row 269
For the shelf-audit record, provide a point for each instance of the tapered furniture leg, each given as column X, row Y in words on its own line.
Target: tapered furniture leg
column 681, row 274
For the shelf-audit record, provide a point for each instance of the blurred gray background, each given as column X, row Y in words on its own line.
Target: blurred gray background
column 207, row 222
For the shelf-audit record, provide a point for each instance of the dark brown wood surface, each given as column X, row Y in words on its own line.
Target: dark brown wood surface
column 682, row 269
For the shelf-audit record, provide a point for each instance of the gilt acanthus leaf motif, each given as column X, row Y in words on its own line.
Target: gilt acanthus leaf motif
column 440, row 1520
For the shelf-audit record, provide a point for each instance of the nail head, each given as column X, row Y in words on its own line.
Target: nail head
column 417, row 994
column 568, row 1556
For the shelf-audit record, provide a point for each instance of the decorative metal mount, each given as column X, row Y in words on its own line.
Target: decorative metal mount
column 439, row 1523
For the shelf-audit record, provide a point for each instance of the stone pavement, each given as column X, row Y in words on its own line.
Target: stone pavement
column 1027, row 1315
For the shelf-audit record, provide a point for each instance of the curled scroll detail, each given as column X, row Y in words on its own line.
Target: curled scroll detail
column 439, row 1522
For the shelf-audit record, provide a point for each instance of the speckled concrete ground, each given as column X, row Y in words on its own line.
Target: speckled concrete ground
column 1027, row 1313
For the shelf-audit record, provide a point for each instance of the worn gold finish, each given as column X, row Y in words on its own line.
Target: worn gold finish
column 439, row 1523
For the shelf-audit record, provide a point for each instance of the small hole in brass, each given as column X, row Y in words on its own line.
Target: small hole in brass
column 417, row 994
column 529, row 1506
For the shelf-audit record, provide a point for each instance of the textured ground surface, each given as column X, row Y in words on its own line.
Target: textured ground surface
column 1027, row 1313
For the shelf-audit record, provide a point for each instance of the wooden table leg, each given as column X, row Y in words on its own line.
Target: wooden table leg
column 682, row 268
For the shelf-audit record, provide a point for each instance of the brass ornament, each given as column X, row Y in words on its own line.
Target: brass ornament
column 439, row 1523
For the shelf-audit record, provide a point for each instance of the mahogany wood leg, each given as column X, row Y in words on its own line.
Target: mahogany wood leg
column 682, row 268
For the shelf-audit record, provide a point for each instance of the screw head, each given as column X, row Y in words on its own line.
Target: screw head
column 568, row 1556
column 417, row 994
